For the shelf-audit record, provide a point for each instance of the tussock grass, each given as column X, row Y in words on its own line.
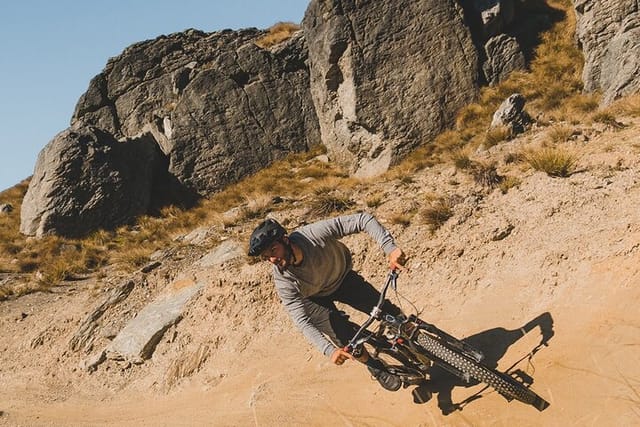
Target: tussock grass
column 607, row 118
column 485, row 174
column 629, row 105
column 514, row 157
column 403, row 219
column 461, row 159
column 496, row 135
column 326, row 200
column 555, row 162
column 508, row 182
column 437, row 213
column 278, row 33
column 374, row 200
column 560, row 133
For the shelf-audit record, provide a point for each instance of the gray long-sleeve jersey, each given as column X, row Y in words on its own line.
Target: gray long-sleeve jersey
column 325, row 263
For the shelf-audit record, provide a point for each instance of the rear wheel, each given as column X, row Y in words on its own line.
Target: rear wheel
column 503, row 383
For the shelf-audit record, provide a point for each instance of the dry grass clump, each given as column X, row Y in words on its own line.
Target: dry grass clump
column 374, row 200
column 508, row 182
column 278, row 33
column 629, row 105
column 607, row 118
column 437, row 213
column 555, row 162
column 584, row 103
column 461, row 159
column 514, row 157
column 485, row 174
column 560, row 133
column 325, row 201
column 496, row 135
column 403, row 219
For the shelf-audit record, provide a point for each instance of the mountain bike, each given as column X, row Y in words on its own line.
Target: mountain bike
column 409, row 347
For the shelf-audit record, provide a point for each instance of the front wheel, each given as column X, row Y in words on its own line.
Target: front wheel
column 503, row 383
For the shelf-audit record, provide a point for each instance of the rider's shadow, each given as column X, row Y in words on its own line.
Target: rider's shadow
column 494, row 343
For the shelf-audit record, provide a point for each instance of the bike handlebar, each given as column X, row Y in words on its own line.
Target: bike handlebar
column 376, row 311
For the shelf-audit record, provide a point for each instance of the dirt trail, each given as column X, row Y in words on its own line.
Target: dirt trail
column 551, row 254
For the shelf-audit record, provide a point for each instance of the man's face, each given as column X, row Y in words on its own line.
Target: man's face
column 277, row 254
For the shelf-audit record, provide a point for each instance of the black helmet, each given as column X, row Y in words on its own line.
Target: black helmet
column 264, row 235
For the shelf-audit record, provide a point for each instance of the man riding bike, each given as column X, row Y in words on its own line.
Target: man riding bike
column 312, row 270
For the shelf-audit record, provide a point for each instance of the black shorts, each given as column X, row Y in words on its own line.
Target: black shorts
column 357, row 293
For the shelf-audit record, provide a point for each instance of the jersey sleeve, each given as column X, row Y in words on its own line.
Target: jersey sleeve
column 345, row 225
column 294, row 304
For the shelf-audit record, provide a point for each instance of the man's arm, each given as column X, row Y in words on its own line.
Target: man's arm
column 293, row 303
column 350, row 224
column 345, row 225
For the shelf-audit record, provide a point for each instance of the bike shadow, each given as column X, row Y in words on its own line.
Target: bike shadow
column 494, row 343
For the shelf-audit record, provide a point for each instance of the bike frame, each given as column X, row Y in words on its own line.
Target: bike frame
column 395, row 335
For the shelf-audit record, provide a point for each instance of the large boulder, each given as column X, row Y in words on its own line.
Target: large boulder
column 170, row 120
column 387, row 75
column 85, row 179
column 219, row 106
column 609, row 34
column 504, row 56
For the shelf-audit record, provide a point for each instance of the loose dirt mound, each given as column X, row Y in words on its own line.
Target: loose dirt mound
column 553, row 257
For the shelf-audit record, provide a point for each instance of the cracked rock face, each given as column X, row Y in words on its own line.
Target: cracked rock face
column 211, row 109
column 609, row 35
column 386, row 76
column 219, row 106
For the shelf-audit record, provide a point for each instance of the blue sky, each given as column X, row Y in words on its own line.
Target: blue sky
column 51, row 49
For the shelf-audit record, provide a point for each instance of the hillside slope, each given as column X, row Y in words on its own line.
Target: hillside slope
column 552, row 256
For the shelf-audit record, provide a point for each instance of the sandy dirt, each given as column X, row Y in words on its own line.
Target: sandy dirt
column 557, row 258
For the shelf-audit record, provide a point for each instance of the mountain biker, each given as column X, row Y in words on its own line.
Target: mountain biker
column 312, row 270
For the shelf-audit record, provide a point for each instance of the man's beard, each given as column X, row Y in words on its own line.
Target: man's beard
column 289, row 258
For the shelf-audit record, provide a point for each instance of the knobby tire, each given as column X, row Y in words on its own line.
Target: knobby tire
column 504, row 384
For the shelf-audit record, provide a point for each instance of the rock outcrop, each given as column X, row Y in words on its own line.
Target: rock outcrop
column 370, row 80
column 210, row 108
column 85, row 179
column 387, row 76
column 609, row 35
column 219, row 106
